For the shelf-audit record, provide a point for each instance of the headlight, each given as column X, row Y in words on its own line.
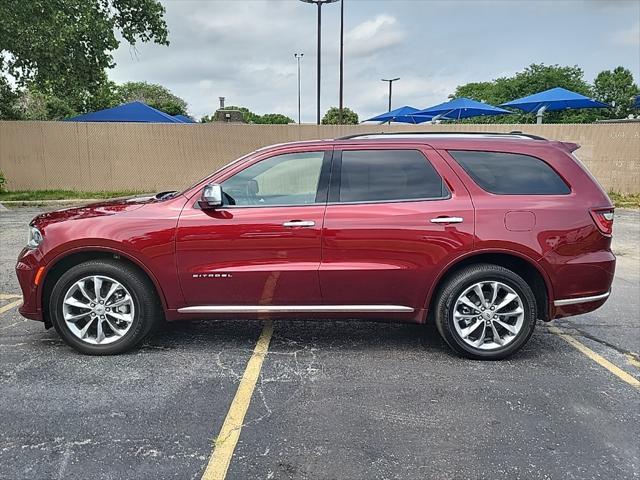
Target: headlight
column 35, row 238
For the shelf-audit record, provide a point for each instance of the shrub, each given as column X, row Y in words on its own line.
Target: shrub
column 3, row 182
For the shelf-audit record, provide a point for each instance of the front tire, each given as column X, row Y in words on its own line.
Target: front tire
column 103, row 307
column 486, row 312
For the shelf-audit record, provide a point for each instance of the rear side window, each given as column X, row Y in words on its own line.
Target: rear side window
column 510, row 173
column 388, row 175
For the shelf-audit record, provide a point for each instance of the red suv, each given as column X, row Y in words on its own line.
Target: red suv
column 481, row 234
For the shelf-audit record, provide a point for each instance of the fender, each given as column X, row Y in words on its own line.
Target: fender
column 107, row 249
column 474, row 253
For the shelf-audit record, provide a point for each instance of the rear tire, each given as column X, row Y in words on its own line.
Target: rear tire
column 103, row 307
column 488, row 327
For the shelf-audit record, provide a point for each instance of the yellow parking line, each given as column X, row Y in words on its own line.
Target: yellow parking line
column 9, row 306
column 600, row 360
column 226, row 441
column 8, row 296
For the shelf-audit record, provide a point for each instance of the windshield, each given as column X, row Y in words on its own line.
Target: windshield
column 183, row 192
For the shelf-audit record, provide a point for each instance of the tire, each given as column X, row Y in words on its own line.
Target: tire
column 124, row 325
column 459, row 311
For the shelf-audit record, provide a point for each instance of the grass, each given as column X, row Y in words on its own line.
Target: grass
column 625, row 200
column 39, row 195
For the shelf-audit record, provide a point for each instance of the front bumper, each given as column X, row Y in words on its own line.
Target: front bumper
column 26, row 269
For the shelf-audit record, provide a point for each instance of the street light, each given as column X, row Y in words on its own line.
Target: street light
column 298, row 56
column 390, row 80
column 319, row 3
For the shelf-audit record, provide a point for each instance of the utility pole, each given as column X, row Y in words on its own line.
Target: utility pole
column 341, row 60
column 390, row 80
column 319, row 3
column 298, row 57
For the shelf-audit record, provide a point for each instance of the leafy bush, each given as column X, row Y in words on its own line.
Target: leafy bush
column 3, row 182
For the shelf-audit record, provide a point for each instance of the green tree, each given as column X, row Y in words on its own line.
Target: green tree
column 275, row 119
column 36, row 105
column 332, row 117
column 618, row 89
column 533, row 79
column 61, row 48
column 154, row 95
column 8, row 101
column 251, row 117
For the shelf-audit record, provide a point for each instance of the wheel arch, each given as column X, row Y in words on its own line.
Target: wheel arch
column 61, row 263
column 524, row 266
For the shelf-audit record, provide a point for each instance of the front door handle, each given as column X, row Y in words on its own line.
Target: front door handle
column 447, row 220
column 299, row 223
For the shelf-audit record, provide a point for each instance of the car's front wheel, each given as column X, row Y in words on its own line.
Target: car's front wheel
column 103, row 307
column 486, row 312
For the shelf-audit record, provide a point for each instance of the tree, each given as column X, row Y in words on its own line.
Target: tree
column 62, row 48
column 250, row 117
column 275, row 119
column 8, row 101
column 332, row 117
column 533, row 79
column 618, row 89
column 154, row 95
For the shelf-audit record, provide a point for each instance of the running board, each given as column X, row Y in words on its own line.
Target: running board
column 296, row 309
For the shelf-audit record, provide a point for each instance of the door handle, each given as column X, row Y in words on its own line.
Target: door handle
column 447, row 220
column 299, row 223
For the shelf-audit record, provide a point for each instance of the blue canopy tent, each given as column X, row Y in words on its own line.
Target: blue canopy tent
column 636, row 102
column 128, row 112
column 184, row 119
column 400, row 115
column 460, row 108
column 553, row 99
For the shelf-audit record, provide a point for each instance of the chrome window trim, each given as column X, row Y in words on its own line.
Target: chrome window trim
column 574, row 301
column 296, row 309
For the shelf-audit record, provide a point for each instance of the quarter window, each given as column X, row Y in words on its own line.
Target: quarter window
column 290, row 179
column 510, row 173
column 388, row 175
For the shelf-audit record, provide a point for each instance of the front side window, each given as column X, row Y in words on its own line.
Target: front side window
column 510, row 173
column 388, row 175
column 289, row 179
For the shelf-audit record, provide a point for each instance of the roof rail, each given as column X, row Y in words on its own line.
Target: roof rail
column 514, row 133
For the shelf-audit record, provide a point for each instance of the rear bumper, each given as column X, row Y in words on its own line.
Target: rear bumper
column 575, row 306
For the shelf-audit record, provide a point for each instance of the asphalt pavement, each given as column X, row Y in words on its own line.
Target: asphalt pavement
column 332, row 399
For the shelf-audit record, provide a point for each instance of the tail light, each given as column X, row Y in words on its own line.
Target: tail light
column 604, row 219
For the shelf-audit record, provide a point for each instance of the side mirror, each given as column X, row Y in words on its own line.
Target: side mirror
column 211, row 196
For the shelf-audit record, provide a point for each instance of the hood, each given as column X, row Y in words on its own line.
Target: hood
column 98, row 209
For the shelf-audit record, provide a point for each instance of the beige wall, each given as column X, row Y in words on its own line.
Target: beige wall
column 149, row 157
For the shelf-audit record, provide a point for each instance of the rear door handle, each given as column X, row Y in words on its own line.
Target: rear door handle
column 299, row 223
column 447, row 220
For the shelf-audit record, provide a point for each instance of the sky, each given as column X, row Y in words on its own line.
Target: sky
column 244, row 49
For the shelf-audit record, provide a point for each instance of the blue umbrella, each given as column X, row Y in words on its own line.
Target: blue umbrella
column 459, row 108
column 128, row 112
column 553, row 99
column 401, row 115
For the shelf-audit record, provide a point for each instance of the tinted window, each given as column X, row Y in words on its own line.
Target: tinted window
column 510, row 173
column 379, row 175
column 290, row 179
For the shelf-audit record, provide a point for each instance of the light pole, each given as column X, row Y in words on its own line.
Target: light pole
column 341, row 60
column 298, row 56
column 390, row 80
column 319, row 3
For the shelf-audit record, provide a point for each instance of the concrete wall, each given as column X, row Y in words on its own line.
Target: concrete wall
column 149, row 157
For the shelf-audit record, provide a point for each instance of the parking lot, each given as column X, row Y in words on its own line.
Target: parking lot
column 332, row 400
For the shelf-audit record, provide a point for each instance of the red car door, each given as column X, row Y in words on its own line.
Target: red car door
column 395, row 217
column 262, row 247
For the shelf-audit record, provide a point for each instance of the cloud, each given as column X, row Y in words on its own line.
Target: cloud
column 373, row 36
column 628, row 37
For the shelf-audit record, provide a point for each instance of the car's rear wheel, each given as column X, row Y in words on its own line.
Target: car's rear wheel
column 486, row 312
column 103, row 307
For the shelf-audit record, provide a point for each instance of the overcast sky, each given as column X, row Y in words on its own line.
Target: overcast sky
column 243, row 49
